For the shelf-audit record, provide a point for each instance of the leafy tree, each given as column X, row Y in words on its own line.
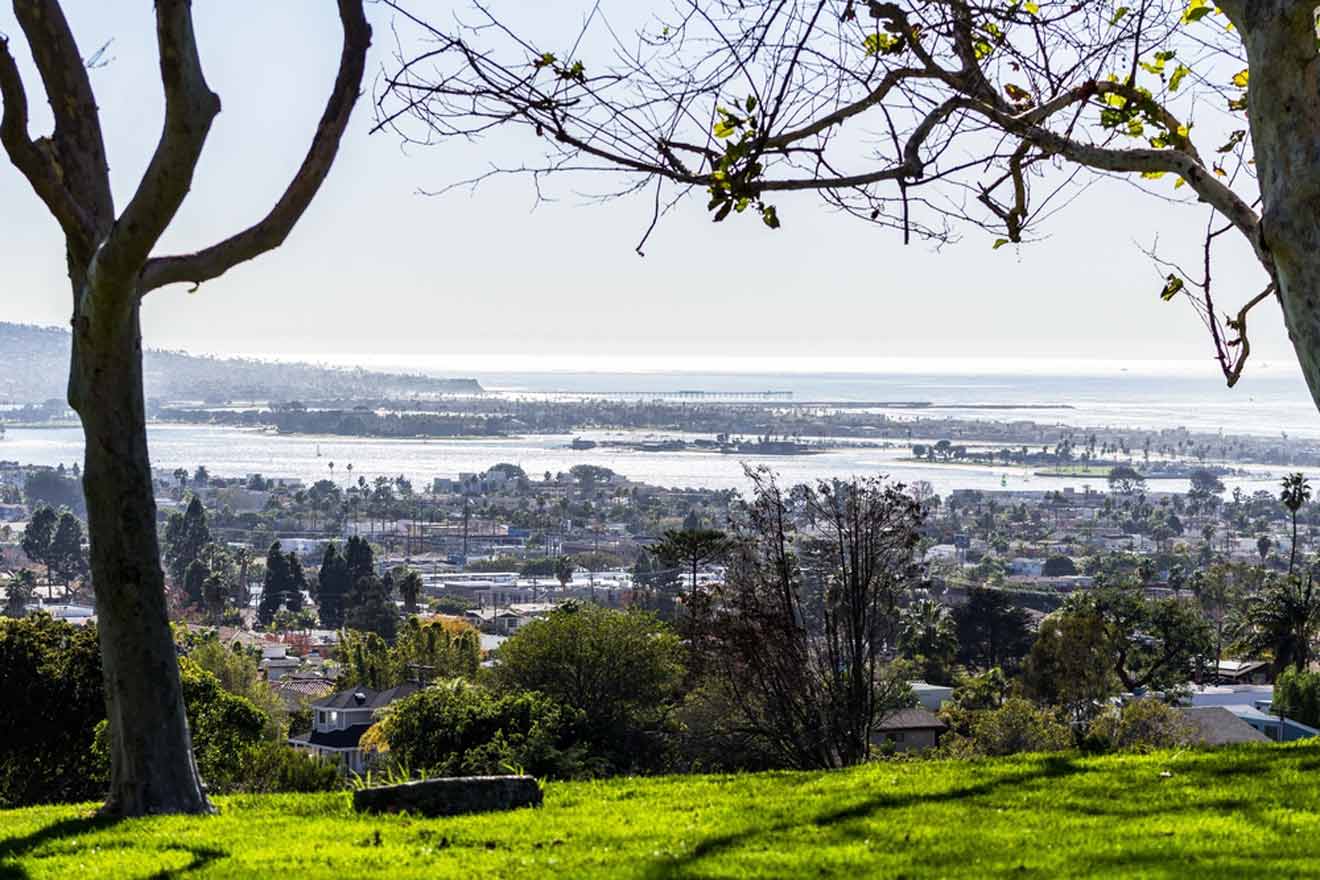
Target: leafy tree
column 1070, row 665
column 1205, row 484
column 37, row 537
column 111, row 267
column 20, row 593
column 238, row 673
column 991, row 630
column 187, row 535
column 283, row 586
column 66, row 554
column 455, row 728
column 621, row 669
column 1125, row 480
column 564, row 568
column 53, row 489
column 194, row 582
column 1296, row 492
column 691, row 549
column 334, row 587
column 1017, row 726
column 372, row 608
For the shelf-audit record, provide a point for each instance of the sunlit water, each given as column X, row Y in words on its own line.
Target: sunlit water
column 1270, row 401
column 238, row 452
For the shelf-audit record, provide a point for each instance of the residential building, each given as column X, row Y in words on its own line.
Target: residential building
column 338, row 722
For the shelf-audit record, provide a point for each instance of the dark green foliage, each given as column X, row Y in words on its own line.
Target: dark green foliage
column 1297, row 696
column 225, row 727
column 39, row 533
column 334, row 587
column 53, row 488
column 372, row 608
column 20, row 593
column 186, row 537
column 455, row 728
column 427, row 651
column 691, row 548
column 50, row 679
column 620, row 668
column 1283, row 618
column 1059, row 566
column 991, row 630
column 283, row 586
column 66, row 556
column 409, row 584
column 276, row 767
column 194, row 582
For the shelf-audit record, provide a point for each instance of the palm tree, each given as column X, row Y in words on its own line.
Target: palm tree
column 927, row 632
column 1296, row 492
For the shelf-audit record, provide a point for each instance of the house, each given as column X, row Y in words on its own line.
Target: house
column 339, row 720
column 276, row 663
column 910, row 730
column 1244, row 672
column 931, row 696
column 1219, row 726
column 297, row 691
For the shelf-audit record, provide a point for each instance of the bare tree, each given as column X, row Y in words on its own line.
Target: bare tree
column 922, row 115
column 802, row 628
column 111, row 268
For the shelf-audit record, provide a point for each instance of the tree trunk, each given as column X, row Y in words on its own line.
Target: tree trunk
column 1284, row 113
column 152, row 769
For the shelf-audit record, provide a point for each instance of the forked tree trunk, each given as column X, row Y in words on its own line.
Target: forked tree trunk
column 1284, row 113
column 152, row 769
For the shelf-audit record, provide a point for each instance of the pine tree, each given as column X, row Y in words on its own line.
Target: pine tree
column 66, row 554
column 37, row 536
column 276, row 585
column 373, row 608
column 333, row 593
column 21, row 592
column 186, row 536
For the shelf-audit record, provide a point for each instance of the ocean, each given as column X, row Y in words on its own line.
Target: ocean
column 1271, row 401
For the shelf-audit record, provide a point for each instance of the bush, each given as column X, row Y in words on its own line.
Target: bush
column 270, row 767
column 1141, row 725
column 1016, row 726
column 455, row 728
column 50, row 678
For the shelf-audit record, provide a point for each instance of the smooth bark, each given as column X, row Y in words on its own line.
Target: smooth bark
column 110, row 266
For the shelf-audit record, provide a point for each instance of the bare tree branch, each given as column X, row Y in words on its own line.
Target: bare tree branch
column 35, row 159
column 271, row 231
column 79, row 147
column 190, row 108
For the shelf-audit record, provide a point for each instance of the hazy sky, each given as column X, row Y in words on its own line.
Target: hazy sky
column 375, row 268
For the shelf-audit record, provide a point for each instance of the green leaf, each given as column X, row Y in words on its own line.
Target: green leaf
column 1179, row 74
column 999, row 242
column 1119, row 13
column 770, row 216
column 1173, row 285
column 1233, row 140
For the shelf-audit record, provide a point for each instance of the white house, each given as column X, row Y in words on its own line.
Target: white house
column 339, row 721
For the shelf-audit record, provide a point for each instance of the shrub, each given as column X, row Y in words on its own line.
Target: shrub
column 1018, row 726
column 455, row 728
column 274, row 767
column 1141, row 725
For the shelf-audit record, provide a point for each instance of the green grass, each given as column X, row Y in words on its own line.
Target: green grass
column 1237, row 812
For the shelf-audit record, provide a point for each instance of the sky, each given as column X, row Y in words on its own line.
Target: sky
column 378, row 270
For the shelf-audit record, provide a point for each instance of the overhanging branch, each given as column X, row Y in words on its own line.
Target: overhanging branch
column 274, row 228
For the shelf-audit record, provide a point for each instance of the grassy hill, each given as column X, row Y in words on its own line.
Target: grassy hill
column 43, row 353
column 1246, row 811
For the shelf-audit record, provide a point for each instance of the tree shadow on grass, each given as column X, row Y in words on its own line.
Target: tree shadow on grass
column 1051, row 767
column 12, row 849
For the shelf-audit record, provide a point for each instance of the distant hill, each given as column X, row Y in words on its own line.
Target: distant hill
column 38, row 367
